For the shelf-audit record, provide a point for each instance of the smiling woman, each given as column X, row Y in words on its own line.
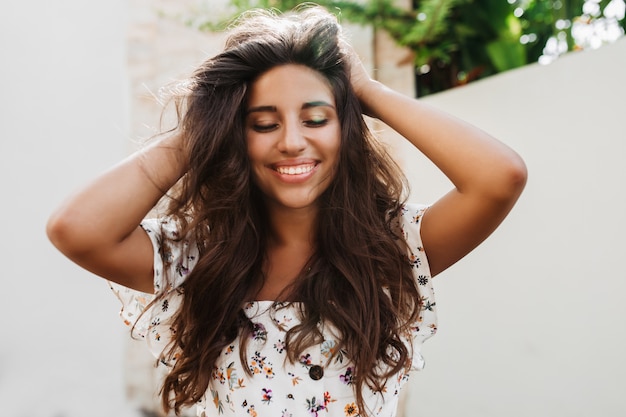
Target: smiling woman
column 289, row 275
column 293, row 136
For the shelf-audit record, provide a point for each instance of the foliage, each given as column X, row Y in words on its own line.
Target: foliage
column 454, row 42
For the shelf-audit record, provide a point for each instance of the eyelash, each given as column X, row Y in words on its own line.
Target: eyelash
column 307, row 123
column 315, row 123
column 264, row 128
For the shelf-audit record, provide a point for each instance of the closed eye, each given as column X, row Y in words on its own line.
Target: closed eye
column 264, row 128
column 315, row 122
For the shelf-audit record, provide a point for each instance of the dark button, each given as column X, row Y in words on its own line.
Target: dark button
column 316, row 372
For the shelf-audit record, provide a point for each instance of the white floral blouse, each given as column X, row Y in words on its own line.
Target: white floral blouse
column 277, row 388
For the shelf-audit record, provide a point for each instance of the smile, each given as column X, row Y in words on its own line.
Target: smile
column 295, row 170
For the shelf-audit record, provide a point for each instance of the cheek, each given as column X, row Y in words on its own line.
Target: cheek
column 256, row 160
column 334, row 146
column 253, row 149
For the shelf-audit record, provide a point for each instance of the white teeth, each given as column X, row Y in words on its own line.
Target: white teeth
column 297, row 170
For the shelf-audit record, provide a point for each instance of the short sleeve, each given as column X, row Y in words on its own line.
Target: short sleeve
column 426, row 326
column 150, row 315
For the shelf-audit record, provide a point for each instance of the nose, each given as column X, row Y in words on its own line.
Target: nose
column 292, row 140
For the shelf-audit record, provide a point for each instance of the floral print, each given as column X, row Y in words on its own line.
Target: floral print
column 314, row 406
column 259, row 333
column 351, row 410
column 258, row 365
column 276, row 386
column 347, row 377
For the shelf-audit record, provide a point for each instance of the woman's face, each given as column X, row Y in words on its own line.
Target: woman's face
column 293, row 136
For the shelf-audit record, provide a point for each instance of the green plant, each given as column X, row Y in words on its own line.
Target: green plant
column 454, row 42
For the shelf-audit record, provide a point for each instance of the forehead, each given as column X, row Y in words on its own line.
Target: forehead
column 290, row 85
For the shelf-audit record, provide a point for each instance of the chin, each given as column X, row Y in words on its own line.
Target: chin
column 293, row 204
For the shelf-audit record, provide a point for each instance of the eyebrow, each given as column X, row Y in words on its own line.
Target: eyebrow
column 273, row 109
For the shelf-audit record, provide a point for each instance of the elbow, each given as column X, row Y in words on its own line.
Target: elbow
column 513, row 179
column 518, row 175
column 63, row 234
column 57, row 230
column 503, row 181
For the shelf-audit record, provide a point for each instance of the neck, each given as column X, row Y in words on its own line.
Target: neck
column 292, row 227
column 291, row 242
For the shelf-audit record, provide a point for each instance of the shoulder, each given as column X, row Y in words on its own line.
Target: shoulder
column 411, row 213
column 175, row 255
column 409, row 221
column 161, row 227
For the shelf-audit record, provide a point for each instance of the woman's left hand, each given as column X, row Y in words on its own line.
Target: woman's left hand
column 488, row 176
column 359, row 78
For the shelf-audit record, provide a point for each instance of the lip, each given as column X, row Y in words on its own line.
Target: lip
column 294, row 171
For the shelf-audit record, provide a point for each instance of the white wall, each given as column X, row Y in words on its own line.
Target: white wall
column 64, row 118
column 531, row 323
column 534, row 321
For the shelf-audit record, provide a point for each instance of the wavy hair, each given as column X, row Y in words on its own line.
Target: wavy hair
column 358, row 278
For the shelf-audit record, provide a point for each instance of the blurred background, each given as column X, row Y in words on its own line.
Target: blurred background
column 531, row 323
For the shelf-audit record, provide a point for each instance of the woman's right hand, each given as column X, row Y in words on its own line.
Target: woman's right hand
column 98, row 227
column 359, row 78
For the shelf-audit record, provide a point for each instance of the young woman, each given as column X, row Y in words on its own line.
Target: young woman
column 290, row 276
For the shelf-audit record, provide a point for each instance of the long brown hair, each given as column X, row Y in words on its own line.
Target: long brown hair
column 358, row 279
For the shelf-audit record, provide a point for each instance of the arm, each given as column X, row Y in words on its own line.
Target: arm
column 98, row 227
column 488, row 176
